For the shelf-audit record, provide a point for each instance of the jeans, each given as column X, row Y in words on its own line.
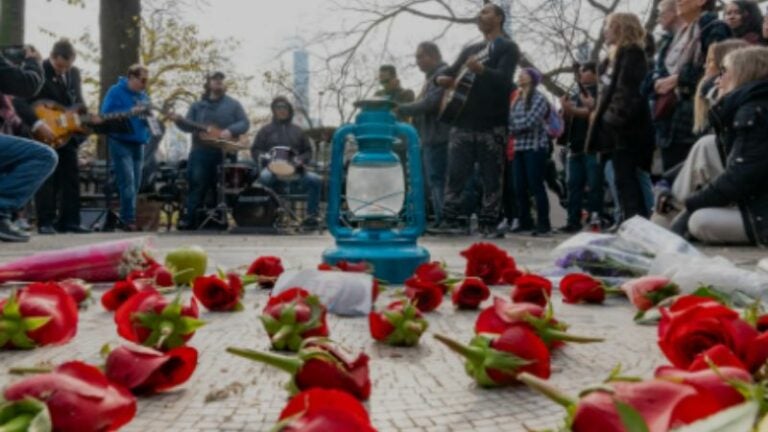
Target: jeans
column 202, row 171
column 311, row 182
column 510, row 198
column 530, row 166
column 61, row 192
column 127, row 159
column 436, row 168
column 583, row 172
column 24, row 166
column 632, row 194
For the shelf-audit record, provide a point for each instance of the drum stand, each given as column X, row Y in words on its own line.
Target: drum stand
column 220, row 213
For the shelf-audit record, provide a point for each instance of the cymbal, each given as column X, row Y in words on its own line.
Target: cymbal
column 226, row 145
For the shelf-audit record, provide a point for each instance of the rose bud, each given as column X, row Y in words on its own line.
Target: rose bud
column 318, row 364
column 121, row 291
column 530, row 288
column 648, row 291
column 38, row 314
column 510, row 274
column 25, row 415
column 718, row 355
column 78, row 289
column 503, row 315
column 400, row 324
column 293, row 316
column 470, row 293
column 661, row 404
column 150, row 319
column 762, row 323
column 433, row 272
column 496, row 360
column 757, row 353
column 266, row 269
column 143, row 370
column 79, row 398
column 486, row 261
column 217, row 294
column 579, row 287
column 320, row 410
column 426, row 295
column 715, row 388
column 694, row 324
column 163, row 277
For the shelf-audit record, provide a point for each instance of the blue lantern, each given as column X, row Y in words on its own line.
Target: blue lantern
column 389, row 217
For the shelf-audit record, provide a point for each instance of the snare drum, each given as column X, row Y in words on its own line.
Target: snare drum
column 236, row 177
column 281, row 161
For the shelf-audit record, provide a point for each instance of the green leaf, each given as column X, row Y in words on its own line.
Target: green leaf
column 34, row 323
column 105, row 350
column 12, row 309
column 189, row 325
column 708, row 291
column 30, row 415
column 630, row 418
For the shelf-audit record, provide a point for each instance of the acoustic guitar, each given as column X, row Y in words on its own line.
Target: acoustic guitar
column 211, row 135
column 455, row 98
column 65, row 122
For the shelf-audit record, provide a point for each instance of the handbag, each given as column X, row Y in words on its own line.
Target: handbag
column 664, row 106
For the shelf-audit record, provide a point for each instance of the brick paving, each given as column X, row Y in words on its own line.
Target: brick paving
column 414, row 389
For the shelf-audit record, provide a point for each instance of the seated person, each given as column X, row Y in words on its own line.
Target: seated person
column 281, row 132
column 733, row 208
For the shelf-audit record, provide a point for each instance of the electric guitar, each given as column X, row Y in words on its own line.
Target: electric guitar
column 455, row 98
column 65, row 122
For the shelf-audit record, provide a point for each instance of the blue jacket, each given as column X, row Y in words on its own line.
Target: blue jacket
column 120, row 98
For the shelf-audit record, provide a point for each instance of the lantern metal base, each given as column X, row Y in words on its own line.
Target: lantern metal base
column 393, row 262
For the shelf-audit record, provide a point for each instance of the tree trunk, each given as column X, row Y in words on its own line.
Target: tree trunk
column 11, row 22
column 120, row 28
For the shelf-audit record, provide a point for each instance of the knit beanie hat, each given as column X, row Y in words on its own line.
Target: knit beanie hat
column 534, row 74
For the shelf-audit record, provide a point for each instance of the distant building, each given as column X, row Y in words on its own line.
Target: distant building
column 301, row 100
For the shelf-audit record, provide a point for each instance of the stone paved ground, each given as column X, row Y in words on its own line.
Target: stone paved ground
column 418, row 389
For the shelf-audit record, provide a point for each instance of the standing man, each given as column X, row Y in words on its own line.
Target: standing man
column 391, row 89
column 583, row 170
column 282, row 132
column 58, row 200
column 479, row 134
column 433, row 133
column 127, row 149
column 24, row 164
column 223, row 115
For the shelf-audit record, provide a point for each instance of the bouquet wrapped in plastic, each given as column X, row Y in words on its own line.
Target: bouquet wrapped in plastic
column 100, row 262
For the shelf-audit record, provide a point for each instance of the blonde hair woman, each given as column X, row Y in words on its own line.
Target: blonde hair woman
column 706, row 92
column 733, row 208
column 621, row 127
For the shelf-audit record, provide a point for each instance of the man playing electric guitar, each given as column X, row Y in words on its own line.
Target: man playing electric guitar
column 226, row 119
column 61, row 192
column 479, row 132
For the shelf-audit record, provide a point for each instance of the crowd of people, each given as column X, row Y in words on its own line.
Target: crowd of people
column 690, row 104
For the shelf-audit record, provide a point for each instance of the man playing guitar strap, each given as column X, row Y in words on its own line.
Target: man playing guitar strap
column 479, row 131
column 226, row 119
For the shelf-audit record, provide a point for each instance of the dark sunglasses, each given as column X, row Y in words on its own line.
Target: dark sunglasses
column 281, row 106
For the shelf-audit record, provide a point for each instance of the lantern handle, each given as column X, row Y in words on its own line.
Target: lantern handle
column 338, row 145
column 415, row 197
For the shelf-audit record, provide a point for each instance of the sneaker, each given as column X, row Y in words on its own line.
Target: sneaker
column 448, row 228
column 595, row 223
column 503, row 226
column 23, row 224
column 569, row 229
column 310, row 223
column 9, row 232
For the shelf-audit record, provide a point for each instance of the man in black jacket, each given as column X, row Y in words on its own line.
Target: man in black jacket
column 281, row 132
column 24, row 164
column 433, row 133
column 61, row 192
column 479, row 135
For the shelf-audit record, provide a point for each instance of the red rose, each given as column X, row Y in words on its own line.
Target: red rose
column 120, row 292
column 496, row 360
column 79, row 398
column 531, row 288
column 319, row 364
column 38, row 314
column 762, row 323
column 320, row 410
column 293, row 316
column 433, row 272
column 78, row 289
column 150, row 319
column 578, row 287
column 757, row 353
column 719, row 355
column 163, row 277
column 470, row 293
column 354, row 267
column 217, row 294
column 647, row 291
column 510, row 274
column 426, row 295
column 693, row 325
column 486, row 261
column 400, row 324
column 267, row 269
column 144, row 370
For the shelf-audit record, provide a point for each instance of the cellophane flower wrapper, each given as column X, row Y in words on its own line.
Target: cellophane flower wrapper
column 100, row 262
column 603, row 256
